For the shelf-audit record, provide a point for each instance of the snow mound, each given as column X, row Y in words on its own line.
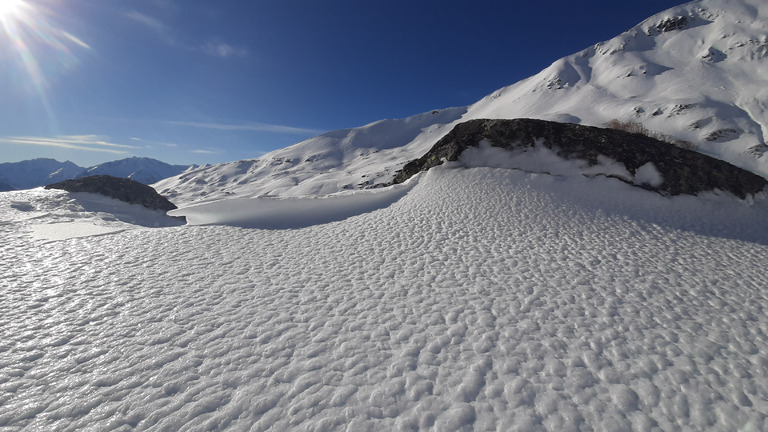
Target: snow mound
column 295, row 212
column 51, row 215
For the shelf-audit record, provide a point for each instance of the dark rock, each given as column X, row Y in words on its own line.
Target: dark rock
column 672, row 23
column 122, row 189
column 684, row 171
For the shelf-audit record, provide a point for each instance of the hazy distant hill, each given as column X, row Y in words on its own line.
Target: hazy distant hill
column 37, row 172
column 43, row 171
column 141, row 169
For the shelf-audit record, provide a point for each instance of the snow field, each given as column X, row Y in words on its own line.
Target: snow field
column 484, row 299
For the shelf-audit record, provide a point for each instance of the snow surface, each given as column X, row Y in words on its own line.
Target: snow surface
column 58, row 215
column 482, row 299
column 706, row 83
column 271, row 213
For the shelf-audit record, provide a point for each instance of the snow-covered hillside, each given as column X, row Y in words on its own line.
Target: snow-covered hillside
column 697, row 72
column 483, row 299
column 335, row 161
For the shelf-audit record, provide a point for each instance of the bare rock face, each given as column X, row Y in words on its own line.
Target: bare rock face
column 683, row 171
column 122, row 189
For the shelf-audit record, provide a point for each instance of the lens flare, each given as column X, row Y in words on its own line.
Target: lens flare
column 9, row 7
column 30, row 31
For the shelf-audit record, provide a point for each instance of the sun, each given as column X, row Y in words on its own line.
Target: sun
column 33, row 46
column 10, row 8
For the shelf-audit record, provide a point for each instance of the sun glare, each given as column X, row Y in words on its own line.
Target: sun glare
column 42, row 47
column 10, row 8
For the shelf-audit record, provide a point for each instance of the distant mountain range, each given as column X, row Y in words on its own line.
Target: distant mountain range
column 40, row 172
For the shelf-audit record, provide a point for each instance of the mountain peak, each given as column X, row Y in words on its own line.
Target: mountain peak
column 43, row 171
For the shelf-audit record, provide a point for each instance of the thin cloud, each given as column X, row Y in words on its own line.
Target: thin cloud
column 147, row 21
column 255, row 127
column 95, row 143
column 76, row 40
column 214, row 47
column 202, row 151
column 162, row 30
column 166, row 144
column 217, row 48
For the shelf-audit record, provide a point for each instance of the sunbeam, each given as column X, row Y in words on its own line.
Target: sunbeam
column 31, row 31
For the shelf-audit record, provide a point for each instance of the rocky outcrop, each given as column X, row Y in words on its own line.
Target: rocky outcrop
column 122, row 189
column 683, row 171
column 670, row 24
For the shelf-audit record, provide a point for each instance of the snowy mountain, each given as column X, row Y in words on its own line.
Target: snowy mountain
column 40, row 172
column 697, row 72
column 141, row 169
column 37, row 172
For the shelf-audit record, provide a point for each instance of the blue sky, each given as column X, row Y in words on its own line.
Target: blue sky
column 200, row 81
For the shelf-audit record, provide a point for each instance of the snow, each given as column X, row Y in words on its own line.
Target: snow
column 52, row 215
column 481, row 299
column 141, row 169
column 271, row 213
column 67, row 230
column 336, row 161
column 649, row 174
column 505, row 291
column 543, row 160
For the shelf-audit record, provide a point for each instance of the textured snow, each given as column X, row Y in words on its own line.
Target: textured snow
column 58, row 215
column 482, row 299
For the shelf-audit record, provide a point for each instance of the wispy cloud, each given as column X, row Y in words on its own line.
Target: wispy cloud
column 217, row 48
column 75, row 39
column 154, row 24
column 214, row 47
column 203, row 151
column 95, row 143
column 165, row 144
column 147, row 21
column 255, row 127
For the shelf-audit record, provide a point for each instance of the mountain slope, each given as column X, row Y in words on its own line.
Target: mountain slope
column 697, row 72
column 40, row 172
column 37, row 172
column 331, row 162
column 141, row 169
column 692, row 72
